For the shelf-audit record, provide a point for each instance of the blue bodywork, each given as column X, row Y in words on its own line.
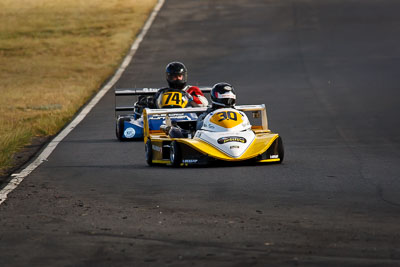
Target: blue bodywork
column 129, row 126
column 133, row 128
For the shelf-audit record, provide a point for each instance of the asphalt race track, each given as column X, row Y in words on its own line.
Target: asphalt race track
column 328, row 72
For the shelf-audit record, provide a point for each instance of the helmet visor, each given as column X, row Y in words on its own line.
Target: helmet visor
column 225, row 95
column 175, row 77
column 177, row 80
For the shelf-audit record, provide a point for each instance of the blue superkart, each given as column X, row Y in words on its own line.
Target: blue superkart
column 129, row 121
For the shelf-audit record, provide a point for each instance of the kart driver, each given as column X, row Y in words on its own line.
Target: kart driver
column 222, row 96
column 178, row 94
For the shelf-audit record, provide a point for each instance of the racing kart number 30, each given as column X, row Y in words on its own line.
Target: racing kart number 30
column 226, row 135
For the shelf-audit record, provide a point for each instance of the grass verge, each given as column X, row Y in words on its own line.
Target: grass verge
column 54, row 55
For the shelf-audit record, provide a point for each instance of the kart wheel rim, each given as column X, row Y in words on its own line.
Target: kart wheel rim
column 172, row 154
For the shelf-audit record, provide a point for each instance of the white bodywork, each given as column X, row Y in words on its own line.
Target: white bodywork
column 232, row 137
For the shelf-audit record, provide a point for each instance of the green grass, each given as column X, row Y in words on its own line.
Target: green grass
column 54, row 55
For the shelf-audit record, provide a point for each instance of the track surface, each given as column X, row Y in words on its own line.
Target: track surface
column 328, row 72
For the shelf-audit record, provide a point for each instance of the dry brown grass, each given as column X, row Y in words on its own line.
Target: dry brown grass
column 54, row 55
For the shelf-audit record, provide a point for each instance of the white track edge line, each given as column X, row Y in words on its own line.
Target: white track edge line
column 19, row 177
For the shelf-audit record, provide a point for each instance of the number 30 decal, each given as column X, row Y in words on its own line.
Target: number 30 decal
column 227, row 119
column 227, row 115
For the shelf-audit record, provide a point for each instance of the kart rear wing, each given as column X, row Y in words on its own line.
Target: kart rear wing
column 259, row 111
column 143, row 91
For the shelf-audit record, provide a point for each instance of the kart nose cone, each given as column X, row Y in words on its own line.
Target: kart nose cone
column 235, row 152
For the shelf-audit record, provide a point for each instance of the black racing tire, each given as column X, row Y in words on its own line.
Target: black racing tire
column 119, row 129
column 175, row 155
column 149, row 153
column 281, row 150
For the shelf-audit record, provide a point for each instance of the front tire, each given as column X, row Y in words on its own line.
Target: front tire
column 149, row 153
column 175, row 155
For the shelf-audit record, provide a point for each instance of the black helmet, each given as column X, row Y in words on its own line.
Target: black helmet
column 172, row 70
column 223, row 95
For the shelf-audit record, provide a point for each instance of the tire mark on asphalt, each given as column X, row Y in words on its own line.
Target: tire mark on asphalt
column 172, row 241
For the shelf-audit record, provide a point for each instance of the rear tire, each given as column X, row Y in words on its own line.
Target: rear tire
column 149, row 153
column 119, row 129
column 281, row 151
column 175, row 155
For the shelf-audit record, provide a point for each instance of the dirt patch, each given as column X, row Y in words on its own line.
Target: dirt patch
column 23, row 157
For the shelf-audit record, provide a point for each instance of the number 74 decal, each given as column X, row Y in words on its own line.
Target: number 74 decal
column 173, row 99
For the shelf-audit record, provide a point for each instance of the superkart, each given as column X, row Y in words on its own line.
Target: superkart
column 227, row 135
column 129, row 120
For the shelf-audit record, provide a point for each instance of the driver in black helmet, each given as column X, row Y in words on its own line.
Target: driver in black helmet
column 178, row 94
column 222, row 96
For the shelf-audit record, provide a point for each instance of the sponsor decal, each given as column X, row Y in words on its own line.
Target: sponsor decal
column 157, row 117
column 227, row 139
column 234, row 147
column 190, row 160
column 273, row 156
column 156, row 148
column 173, row 116
column 150, row 89
column 129, row 132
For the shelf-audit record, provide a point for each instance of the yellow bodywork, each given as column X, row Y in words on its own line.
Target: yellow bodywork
column 259, row 145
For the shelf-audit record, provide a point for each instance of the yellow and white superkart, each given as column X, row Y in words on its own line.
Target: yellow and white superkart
column 226, row 135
